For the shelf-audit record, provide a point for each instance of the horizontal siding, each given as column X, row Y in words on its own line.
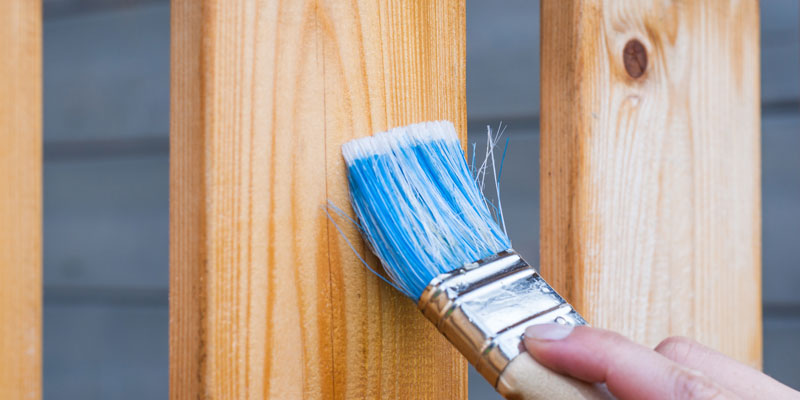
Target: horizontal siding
column 98, row 352
column 780, row 160
column 106, row 222
column 502, row 59
column 781, row 352
column 780, row 52
column 106, row 75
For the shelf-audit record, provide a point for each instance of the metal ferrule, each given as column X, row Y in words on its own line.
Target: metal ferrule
column 483, row 308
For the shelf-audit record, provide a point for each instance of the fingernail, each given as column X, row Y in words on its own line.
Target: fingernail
column 548, row 331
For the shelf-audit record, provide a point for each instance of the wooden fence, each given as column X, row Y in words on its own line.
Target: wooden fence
column 650, row 198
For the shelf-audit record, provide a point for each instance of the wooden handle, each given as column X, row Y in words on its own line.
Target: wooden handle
column 525, row 379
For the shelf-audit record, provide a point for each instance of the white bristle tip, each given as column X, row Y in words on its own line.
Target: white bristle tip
column 404, row 136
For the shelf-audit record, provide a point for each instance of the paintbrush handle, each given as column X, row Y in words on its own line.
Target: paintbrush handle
column 526, row 379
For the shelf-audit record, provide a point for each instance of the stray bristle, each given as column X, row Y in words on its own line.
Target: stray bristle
column 418, row 206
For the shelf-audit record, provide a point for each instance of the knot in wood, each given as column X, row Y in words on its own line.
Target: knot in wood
column 635, row 58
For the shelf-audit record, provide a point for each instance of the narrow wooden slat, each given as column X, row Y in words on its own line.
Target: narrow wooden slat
column 650, row 197
column 250, row 302
column 266, row 300
column 387, row 63
column 20, row 199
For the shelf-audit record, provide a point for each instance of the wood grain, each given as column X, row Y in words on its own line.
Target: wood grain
column 20, row 199
column 266, row 300
column 250, row 314
column 650, row 196
column 387, row 63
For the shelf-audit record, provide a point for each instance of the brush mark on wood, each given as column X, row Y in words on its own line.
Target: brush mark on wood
column 650, row 198
column 266, row 300
column 20, row 199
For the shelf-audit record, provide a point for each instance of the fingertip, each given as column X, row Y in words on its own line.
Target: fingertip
column 539, row 341
column 543, row 341
column 585, row 353
column 548, row 332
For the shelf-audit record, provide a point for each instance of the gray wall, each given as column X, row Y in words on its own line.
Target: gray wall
column 106, row 181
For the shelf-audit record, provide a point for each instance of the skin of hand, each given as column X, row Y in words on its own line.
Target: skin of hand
column 678, row 368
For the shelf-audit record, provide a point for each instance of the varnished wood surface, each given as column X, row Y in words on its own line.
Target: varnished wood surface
column 650, row 186
column 250, row 298
column 266, row 300
column 387, row 64
column 20, row 199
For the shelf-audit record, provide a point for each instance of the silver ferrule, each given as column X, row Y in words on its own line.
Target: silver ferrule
column 484, row 307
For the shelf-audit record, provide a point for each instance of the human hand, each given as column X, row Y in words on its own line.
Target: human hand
column 678, row 368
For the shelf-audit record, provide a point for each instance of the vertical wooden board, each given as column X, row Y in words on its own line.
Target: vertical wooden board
column 387, row 64
column 263, row 95
column 249, row 280
column 187, row 292
column 20, row 199
column 299, row 348
column 650, row 199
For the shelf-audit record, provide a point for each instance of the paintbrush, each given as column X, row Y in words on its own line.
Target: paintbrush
column 420, row 210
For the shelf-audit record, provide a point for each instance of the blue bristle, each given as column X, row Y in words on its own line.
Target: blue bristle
column 418, row 206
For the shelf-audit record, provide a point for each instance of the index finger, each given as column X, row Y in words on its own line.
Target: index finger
column 630, row 371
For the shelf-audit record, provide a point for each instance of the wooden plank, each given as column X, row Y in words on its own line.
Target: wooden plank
column 387, row 64
column 503, row 57
column 650, row 199
column 266, row 300
column 780, row 188
column 20, row 199
column 120, row 207
column 104, row 350
column 249, row 304
column 119, row 51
